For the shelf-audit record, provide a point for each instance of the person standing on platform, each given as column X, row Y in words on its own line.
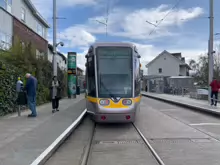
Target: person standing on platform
column 31, row 89
column 55, row 94
column 214, row 91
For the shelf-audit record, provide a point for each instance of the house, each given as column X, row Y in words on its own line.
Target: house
column 61, row 60
column 79, row 72
column 20, row 19
column 168, row 64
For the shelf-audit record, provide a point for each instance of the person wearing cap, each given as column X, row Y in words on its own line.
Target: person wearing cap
column 19, row 85
column 31, row 89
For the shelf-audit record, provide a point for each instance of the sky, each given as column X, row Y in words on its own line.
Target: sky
column 185, row 28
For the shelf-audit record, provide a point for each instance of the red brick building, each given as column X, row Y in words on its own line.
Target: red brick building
column 27, row 35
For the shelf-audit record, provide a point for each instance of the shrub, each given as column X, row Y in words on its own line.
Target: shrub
column 20, row 60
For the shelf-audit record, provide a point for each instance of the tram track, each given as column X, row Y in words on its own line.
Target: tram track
column 101, row 141
column 157, row 157
column 89, row 147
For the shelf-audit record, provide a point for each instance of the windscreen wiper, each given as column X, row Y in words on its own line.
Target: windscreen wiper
column 110, row 94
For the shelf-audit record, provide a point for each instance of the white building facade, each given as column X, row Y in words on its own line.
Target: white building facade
column 168, row 64
column 61, row 59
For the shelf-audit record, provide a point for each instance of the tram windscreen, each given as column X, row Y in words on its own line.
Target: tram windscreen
column 114, row 71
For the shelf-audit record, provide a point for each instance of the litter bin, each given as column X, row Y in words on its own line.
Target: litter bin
column 78, row 90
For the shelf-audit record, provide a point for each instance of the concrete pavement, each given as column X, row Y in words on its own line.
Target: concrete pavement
column 178, row 135
column 23, row 139
column 171, row 130
column 194, row 104
column 176, row 141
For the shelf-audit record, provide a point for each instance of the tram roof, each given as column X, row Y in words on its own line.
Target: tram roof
column 112, row 44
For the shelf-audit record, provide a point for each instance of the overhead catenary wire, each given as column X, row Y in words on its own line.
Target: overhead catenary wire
column 107, row 15
column 160, row 21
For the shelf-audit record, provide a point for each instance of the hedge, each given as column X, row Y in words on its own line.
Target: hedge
column 15, row 63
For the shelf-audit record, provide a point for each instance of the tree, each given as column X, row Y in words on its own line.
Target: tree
column 201, row 67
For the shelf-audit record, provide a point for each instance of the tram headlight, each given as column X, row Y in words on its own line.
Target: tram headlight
column 127, row 102
column 104, row 102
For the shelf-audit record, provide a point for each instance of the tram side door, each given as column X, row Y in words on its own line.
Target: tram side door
column 91, row 83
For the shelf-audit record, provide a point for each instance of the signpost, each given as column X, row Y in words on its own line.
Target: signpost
column 72, row 73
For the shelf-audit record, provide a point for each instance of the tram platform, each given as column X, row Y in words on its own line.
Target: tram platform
column 185, row 101
column 23, row 139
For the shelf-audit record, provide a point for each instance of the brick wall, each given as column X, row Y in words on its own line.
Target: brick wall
column 27, row 35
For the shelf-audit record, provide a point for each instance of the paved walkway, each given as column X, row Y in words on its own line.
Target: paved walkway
column 23, row 139
column 185, row 101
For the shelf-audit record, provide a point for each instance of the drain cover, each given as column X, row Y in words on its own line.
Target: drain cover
column 181, row 140
column 201, row 140
column 171, row 140
column 119, row 142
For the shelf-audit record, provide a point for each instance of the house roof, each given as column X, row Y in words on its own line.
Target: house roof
column 60, row 54
column 172, row 55
column 36, row 13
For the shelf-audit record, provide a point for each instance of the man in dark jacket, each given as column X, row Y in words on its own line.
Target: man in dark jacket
column 214, row 91
column 31, row 88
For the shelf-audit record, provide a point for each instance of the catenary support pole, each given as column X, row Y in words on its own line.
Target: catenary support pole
column 54, row 37
column 210, row 44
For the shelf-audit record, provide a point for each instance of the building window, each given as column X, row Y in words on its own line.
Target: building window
column 23, row 14
column 5, row 41
column 39, row 54
column 40, row 29
column 6, row 4
column 160, row 70
column 2, row 3
column 22, row 46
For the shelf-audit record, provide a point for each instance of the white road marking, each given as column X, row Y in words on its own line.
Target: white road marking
column 204, row 124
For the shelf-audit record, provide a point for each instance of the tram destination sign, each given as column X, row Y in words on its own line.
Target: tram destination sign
column 114, row 51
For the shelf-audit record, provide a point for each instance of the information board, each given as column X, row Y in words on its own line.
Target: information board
column 72, row 73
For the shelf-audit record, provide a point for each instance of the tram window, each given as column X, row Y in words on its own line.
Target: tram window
column 114, row 79
column 137, row 78
column 91, row 77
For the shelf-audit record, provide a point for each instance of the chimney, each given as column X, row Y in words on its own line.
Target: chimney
column 183, row 59
column 177, row 55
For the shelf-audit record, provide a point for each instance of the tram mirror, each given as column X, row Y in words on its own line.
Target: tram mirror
column 139, row 56
column 86, row 56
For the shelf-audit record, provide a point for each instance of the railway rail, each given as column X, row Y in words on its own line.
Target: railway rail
column 146, row 142
column 96, row 140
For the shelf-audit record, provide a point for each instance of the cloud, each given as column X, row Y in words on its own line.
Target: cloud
column 132, row 24
column 149, row 52
column 45, row 7
column 76, row 37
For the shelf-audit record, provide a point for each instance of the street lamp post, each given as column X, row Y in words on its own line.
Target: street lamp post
column 54, row 38
column 55, row 44
column 210, row 45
